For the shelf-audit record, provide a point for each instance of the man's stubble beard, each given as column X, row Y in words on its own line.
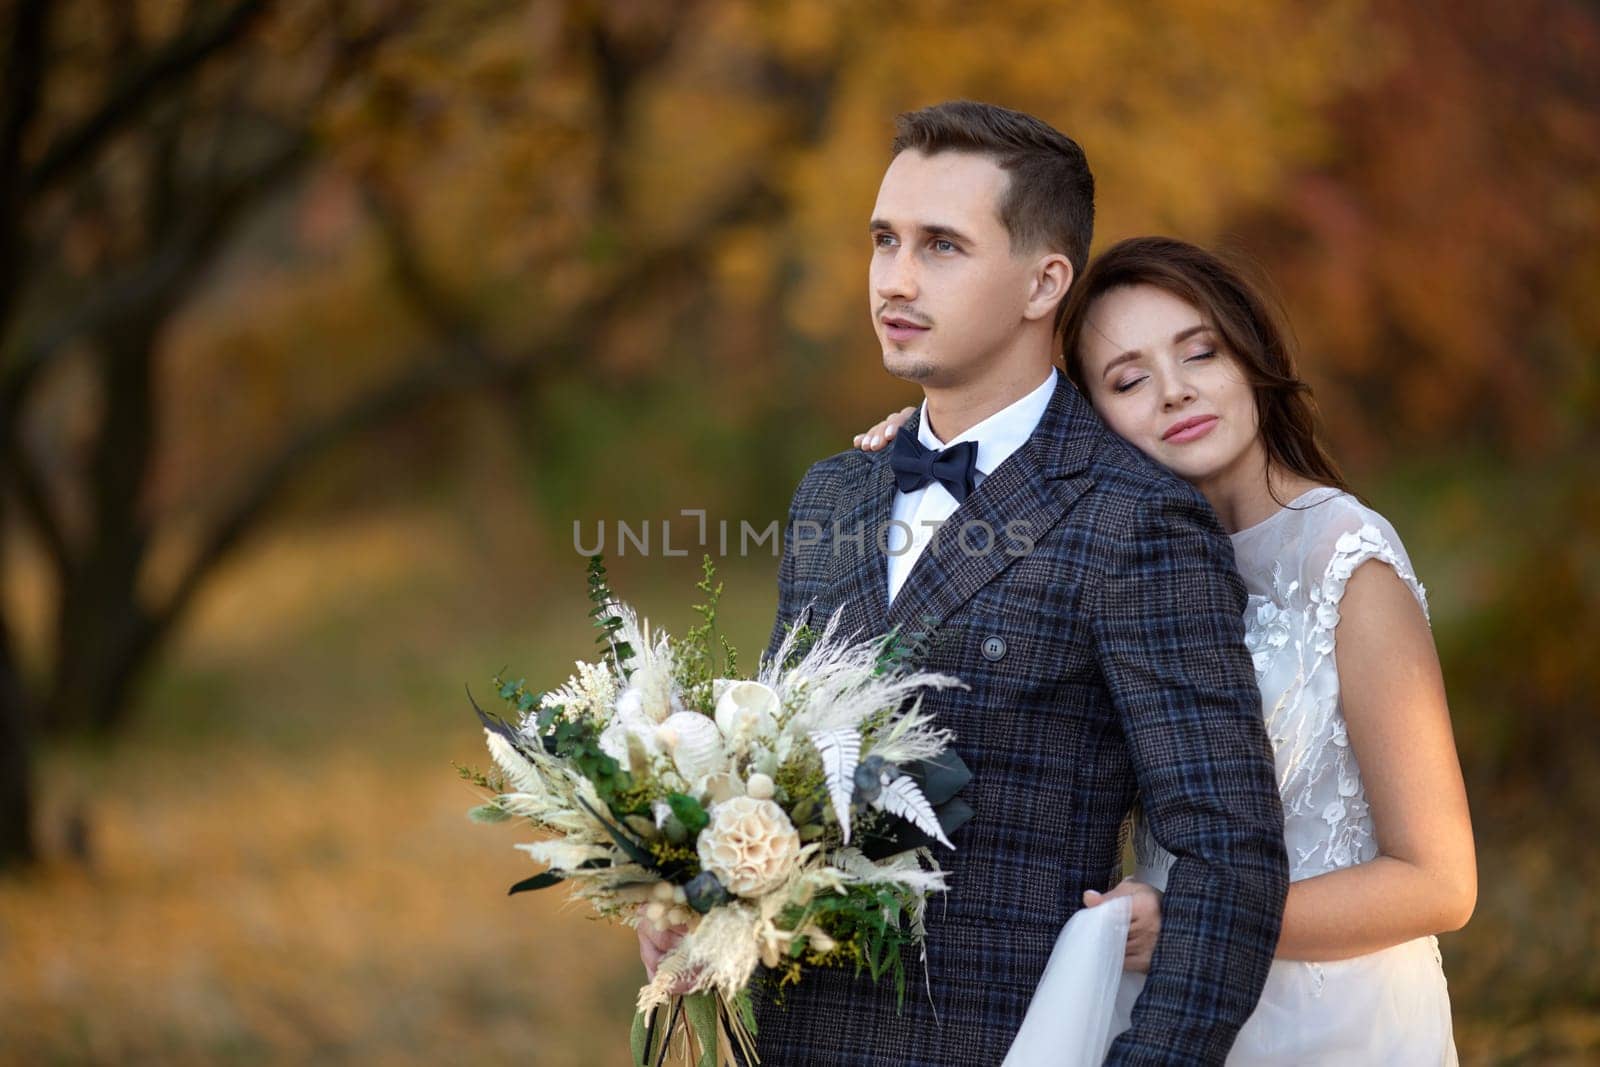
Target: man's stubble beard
column 909, row 368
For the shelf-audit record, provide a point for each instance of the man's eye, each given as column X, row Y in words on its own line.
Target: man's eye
column 942, row 245
column 882, row 240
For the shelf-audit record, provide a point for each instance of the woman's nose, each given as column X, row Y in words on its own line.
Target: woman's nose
column 1177, row 390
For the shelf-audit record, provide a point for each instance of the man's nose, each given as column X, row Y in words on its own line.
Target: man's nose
column 895, row 276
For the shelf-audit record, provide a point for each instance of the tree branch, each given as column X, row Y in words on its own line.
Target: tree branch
column 442, row 313
column 465, row 363
column 35, row 501
column 194, row 240
column 24, row 83
column 133, row 92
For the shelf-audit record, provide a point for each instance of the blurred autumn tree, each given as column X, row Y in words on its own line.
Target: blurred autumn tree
column 150, row 147
column 1441, row 263
column 234, row 236
column 136, row 141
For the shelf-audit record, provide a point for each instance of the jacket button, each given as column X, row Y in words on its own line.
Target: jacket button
column 993, row 648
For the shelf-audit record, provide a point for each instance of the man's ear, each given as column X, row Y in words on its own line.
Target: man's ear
column 1052, row 277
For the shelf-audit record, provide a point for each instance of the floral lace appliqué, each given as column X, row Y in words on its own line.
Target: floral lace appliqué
column 1268, row 623
column 1326, row 786
column 1297, row 572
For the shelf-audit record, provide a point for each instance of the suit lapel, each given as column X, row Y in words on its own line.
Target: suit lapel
column 861, row 572
column 1034, row 486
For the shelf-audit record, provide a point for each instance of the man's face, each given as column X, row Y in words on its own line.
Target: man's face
column 946, row 292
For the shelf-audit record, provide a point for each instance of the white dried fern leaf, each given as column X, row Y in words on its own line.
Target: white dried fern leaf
column 840, row 751
column 904, row 798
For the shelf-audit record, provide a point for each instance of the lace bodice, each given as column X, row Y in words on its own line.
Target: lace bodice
column 1295, row 566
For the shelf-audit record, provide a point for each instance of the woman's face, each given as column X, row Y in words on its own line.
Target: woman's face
column 1158, row 374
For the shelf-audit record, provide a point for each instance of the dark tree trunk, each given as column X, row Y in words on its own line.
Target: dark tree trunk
column 101, row 609
column 17, row 844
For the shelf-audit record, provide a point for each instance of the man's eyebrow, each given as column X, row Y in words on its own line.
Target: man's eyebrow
column 937, row 230
column 932, row 229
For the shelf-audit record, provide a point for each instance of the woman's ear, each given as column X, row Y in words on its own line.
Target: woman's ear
column 1052, row 277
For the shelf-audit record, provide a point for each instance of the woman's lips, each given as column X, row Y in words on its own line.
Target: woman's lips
column 1190, row 430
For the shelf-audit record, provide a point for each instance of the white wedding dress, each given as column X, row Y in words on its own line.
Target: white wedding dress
column 1385, row 1008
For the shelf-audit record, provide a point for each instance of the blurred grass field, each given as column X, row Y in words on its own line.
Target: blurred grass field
column 279, row 868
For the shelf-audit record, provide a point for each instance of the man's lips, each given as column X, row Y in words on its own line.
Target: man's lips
column 901, row 329
column 1191, row 429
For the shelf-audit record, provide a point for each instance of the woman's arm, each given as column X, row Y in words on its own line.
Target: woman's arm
column 1425, row 879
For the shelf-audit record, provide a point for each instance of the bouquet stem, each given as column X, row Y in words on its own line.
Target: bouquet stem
column 712, row 1030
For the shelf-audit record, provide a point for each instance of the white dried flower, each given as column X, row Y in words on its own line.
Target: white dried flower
column 514, row 765
column 630, row 734
column 750, row 845
column 564, row 855
column 761, row 786
column 747, row 710
column 696, row 745
column 588, row 693
column 719, row 787
column 650, row 691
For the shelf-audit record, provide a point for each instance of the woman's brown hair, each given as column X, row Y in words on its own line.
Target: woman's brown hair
column 1247, row 325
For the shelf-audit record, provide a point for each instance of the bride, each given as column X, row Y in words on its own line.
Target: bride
column 1180, row 355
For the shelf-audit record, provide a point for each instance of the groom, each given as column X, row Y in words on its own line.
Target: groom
column 1085, row 596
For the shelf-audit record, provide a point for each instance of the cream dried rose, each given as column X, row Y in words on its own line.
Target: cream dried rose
column 749, row 845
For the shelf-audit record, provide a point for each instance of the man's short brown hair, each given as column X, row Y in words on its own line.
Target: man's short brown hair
column 1049, row 202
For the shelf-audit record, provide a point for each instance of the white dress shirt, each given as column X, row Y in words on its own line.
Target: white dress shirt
column 923, row 509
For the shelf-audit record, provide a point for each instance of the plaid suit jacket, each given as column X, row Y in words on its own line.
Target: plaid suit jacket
column 1104, row 662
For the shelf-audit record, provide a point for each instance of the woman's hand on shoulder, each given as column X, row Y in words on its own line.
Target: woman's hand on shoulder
column 879, row 436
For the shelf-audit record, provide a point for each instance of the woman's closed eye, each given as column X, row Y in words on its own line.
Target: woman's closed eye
column 1207, row 354
column 1124, row 386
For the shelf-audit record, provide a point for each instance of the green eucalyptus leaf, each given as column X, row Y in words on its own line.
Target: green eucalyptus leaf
column 538, row 881
column 488, row 813
column 636, row 1037
column 689, row 812
column 624, row 842
column 745, row 1006
column 701, row 1012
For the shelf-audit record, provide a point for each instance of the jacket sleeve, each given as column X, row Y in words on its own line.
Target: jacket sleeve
column 1170, row 640
column 809, row 504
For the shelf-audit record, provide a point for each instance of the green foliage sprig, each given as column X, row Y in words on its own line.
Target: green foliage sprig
column 578, row 740
column 705, row 653
column 869, row 925
column 606, row 620
column 904, row 651
column 805, row 636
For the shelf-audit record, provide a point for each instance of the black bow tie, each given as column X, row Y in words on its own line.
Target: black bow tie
column 915, row 466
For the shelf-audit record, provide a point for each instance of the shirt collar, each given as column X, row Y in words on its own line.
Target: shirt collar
column 1000, row 434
